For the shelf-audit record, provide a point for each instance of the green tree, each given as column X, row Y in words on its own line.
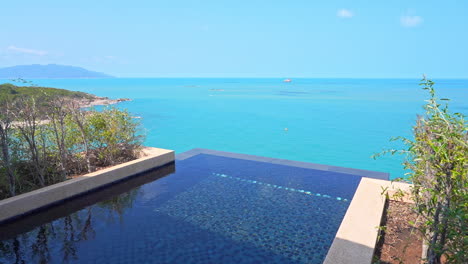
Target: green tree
column 6, row 122
column 114, row 134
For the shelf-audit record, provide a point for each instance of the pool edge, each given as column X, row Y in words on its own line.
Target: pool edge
column 357, row 235
column 301, row 164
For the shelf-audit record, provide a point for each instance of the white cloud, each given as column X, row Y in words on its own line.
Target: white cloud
column 411, row 21
column 345, row 13
column 26, row 51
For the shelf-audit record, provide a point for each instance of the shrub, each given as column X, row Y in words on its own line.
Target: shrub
column 47, row 139
column 437, row 158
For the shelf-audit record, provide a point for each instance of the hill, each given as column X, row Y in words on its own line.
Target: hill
column 37, row 71
column 11, row 91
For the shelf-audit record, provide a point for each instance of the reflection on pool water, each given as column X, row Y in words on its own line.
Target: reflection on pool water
column 212, row 209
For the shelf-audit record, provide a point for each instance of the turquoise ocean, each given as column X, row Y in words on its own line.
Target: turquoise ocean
column 340, row 122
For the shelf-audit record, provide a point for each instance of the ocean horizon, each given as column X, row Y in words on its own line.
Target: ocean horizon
column 334, row 121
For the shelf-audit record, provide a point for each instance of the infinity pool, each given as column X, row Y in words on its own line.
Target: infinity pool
column 210, row 207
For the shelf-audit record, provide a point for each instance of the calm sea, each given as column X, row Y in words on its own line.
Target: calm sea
column 339, row 122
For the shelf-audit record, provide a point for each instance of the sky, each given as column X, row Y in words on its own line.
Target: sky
column 254, row 38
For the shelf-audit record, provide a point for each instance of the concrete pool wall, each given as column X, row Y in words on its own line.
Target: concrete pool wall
column 356, row 238
column 32, row 201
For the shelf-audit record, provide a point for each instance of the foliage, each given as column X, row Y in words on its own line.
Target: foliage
column 437, row 158
column 46, row 139
column 10, row 91
column 112, row 132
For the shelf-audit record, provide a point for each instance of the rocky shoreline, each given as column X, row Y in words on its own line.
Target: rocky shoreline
column 96, row 101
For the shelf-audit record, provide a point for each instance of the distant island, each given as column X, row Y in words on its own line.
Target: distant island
column 52, row 71
column 10, row 91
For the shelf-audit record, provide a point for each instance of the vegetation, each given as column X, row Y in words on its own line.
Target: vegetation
column 437, row 158
column 10, row 91
column 45, row 137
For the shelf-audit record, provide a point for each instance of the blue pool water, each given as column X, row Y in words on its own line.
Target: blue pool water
column 211, row 209
column 340, row 122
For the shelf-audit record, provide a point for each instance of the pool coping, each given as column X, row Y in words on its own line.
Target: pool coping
column 27, row 203
column 300, row 164
column 357, row 236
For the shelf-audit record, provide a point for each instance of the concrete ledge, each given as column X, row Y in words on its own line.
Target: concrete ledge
column 28, row 202
column 356, row 238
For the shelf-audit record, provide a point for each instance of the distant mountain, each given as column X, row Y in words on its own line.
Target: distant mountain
column 48, row 71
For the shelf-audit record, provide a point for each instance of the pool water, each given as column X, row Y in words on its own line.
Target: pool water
column 207, row 209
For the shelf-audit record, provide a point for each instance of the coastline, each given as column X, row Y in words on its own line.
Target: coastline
column 100, row 101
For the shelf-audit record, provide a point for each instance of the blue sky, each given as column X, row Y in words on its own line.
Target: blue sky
column 255, row 38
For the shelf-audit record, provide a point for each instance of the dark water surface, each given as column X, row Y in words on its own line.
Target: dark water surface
column 205, row 209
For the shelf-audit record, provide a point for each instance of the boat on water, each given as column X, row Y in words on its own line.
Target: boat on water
column 287, row 80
